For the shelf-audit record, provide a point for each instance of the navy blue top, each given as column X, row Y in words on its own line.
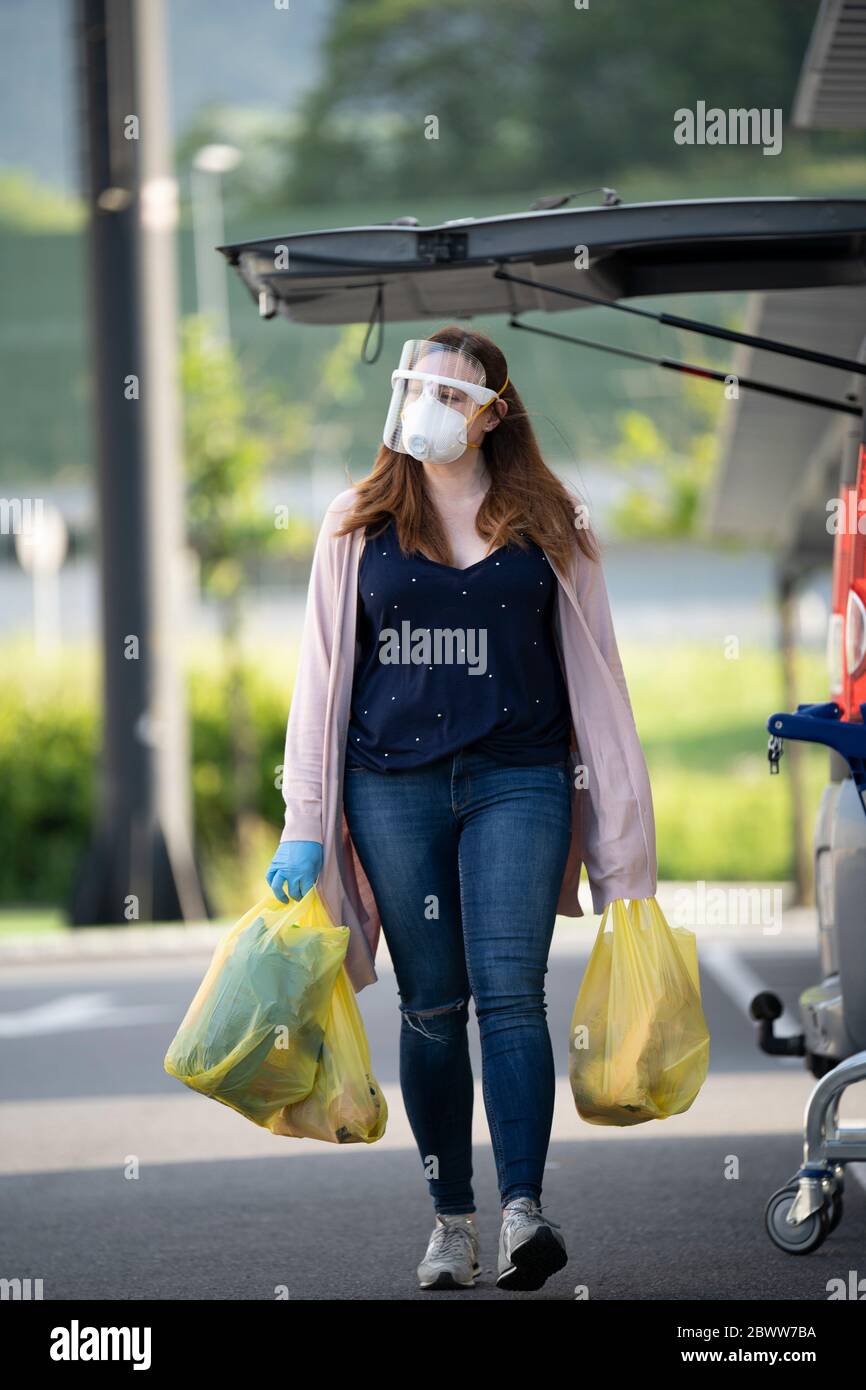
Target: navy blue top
column 486, row 673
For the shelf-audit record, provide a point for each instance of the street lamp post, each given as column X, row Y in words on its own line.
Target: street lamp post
column 208, row 167
column 41, row 549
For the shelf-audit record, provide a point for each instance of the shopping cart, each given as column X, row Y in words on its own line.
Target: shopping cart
column 800, row 1215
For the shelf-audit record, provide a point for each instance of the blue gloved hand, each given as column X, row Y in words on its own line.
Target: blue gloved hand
column 295, row 866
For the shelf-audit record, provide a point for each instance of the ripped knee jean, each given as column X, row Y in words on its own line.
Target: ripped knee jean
column 465, row 858
column 438, row 1093
column 423, row 1020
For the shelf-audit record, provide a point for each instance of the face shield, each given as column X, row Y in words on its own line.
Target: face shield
column 437, row 392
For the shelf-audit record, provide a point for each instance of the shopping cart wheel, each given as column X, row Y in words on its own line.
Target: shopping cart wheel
column 794, row 1240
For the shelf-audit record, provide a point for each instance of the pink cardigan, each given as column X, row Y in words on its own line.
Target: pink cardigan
column 612, row 830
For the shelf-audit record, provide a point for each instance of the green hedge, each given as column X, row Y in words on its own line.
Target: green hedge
column 701, row 720
column 50, row 735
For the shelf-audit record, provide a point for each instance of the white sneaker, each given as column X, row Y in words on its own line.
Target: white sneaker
column 451, row 1261
column 531, row 1248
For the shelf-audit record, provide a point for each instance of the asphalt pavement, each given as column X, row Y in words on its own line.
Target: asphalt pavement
column 118, row 1183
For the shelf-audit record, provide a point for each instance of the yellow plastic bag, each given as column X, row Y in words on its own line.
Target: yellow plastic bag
column 253, row 1034
column 345, row 1105
column 639, row 1047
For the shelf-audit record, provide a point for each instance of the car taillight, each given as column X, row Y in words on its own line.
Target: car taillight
column 855, row 634
column 855, row 616
column 835, row 653
column 842, row 560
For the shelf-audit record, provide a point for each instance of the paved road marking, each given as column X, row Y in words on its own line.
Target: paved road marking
column 73, row 1012
column 741, row 983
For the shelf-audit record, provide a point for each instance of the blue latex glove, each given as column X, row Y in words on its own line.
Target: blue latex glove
column 295, row 866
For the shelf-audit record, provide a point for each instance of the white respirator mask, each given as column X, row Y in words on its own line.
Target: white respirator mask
column 433, row 432
column 438, row 392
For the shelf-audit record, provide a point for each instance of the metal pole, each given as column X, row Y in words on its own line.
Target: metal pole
column 706, row 330
column 140, row 865
column 670, row 364
column 208, row 231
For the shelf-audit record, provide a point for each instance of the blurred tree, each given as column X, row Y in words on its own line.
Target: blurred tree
column 546, row 94
column 231, row 437
column 263, row 138
column 234, row 435
column 667, row 474
column 28, row 204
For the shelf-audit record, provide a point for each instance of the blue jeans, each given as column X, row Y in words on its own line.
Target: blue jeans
column 465, row 857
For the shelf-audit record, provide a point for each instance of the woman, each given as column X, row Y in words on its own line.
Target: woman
column 460, row 741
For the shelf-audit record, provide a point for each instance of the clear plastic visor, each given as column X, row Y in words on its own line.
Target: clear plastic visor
column 430, row 376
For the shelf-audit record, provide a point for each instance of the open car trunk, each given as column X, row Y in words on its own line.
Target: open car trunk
column 639, row 249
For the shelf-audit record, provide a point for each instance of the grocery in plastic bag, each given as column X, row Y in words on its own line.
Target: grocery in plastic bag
column 639, row 1045
column 253, row 1035
column 345, row 1105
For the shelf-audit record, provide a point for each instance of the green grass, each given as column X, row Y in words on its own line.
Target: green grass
column 702, row 721
column 34, row 921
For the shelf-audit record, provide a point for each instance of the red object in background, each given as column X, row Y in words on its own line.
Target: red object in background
column 836, row 631
column 846, row 638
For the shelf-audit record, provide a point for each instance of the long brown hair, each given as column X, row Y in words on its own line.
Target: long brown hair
column 523, row 496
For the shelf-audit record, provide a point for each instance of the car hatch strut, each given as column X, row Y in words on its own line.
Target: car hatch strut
column 691, row 369
column 707, row 330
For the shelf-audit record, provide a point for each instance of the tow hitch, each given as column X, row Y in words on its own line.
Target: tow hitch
column 765, row 1008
